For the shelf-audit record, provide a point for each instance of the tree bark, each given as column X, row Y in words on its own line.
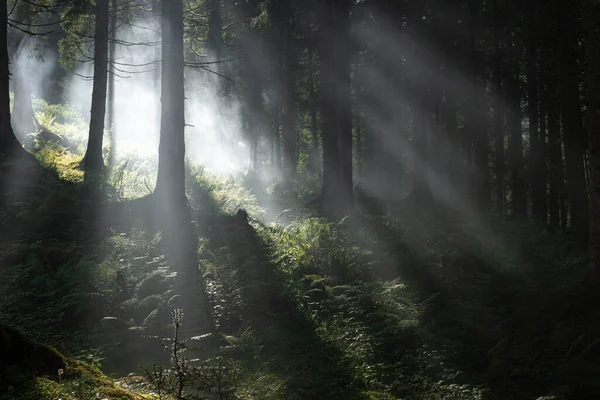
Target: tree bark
column 573, row 133
column 500, row 162
column 554, row 155
column 22, row 115
column 477, row 126
column 9, row 145
column 215, row 26
column 314, row 154
column 289, row 112
column 592, row 20
column 334, row 56
column 93, row 161
column 543, row 169
column 111, row 83
column 536, row 160
column 169, row 197
column 519, row 198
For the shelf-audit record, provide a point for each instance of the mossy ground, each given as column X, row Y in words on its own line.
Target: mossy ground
column 29, row 370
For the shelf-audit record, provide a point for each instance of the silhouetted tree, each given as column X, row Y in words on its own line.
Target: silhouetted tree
column 22, row 115
column 8, row 142
column 334, row 56
column 592, row 47
column 170, row 200
column 571, row 113
column 93, row 160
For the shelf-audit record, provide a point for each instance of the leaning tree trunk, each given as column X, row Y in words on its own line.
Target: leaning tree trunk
column 592, row 16
column 93, row 160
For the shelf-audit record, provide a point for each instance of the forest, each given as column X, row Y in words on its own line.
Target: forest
column 299, row 199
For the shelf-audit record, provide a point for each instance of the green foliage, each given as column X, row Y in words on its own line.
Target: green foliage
column 211, row 195
column 75, row 20
column 33, row 371
column 51, row 292
column 410, row 306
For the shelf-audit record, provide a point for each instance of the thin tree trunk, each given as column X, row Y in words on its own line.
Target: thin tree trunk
column 573, row 133
column 111, row 83
column 156, row 13
column 554, row 155
column 277, row 140
column 290, row 134
column 543, row 170
column 500, row 161
column 519, row 198
column 592, row 20
column 314, row 154
column 215, row 44
column 359, row 141
column 8, row 142
column 536, row 159
column 93, row 160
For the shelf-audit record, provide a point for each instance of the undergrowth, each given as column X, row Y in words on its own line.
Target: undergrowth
column 413, row 304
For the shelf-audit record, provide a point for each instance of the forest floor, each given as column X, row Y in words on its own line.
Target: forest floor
column 408, row 304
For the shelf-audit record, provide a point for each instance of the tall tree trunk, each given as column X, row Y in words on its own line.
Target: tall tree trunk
column 215, row 44
column 543, row 169
column 277, row 140
column 170, row 200
column 111, row 83
column 93, row 160
column 359, row 140
column 314, row 153
column 156, row 72
column 554, row 156
column 592, row 47
column 22, row 115
column 477, row 126
column 536, row 159
column 215, row 27
column 573, row 133
column 290, row 134
column 518, row 194
column 553, row 151
column 498, row 124
column 9, row 145
column 337, row 193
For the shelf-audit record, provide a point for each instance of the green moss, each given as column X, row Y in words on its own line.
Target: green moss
column 29, row 370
